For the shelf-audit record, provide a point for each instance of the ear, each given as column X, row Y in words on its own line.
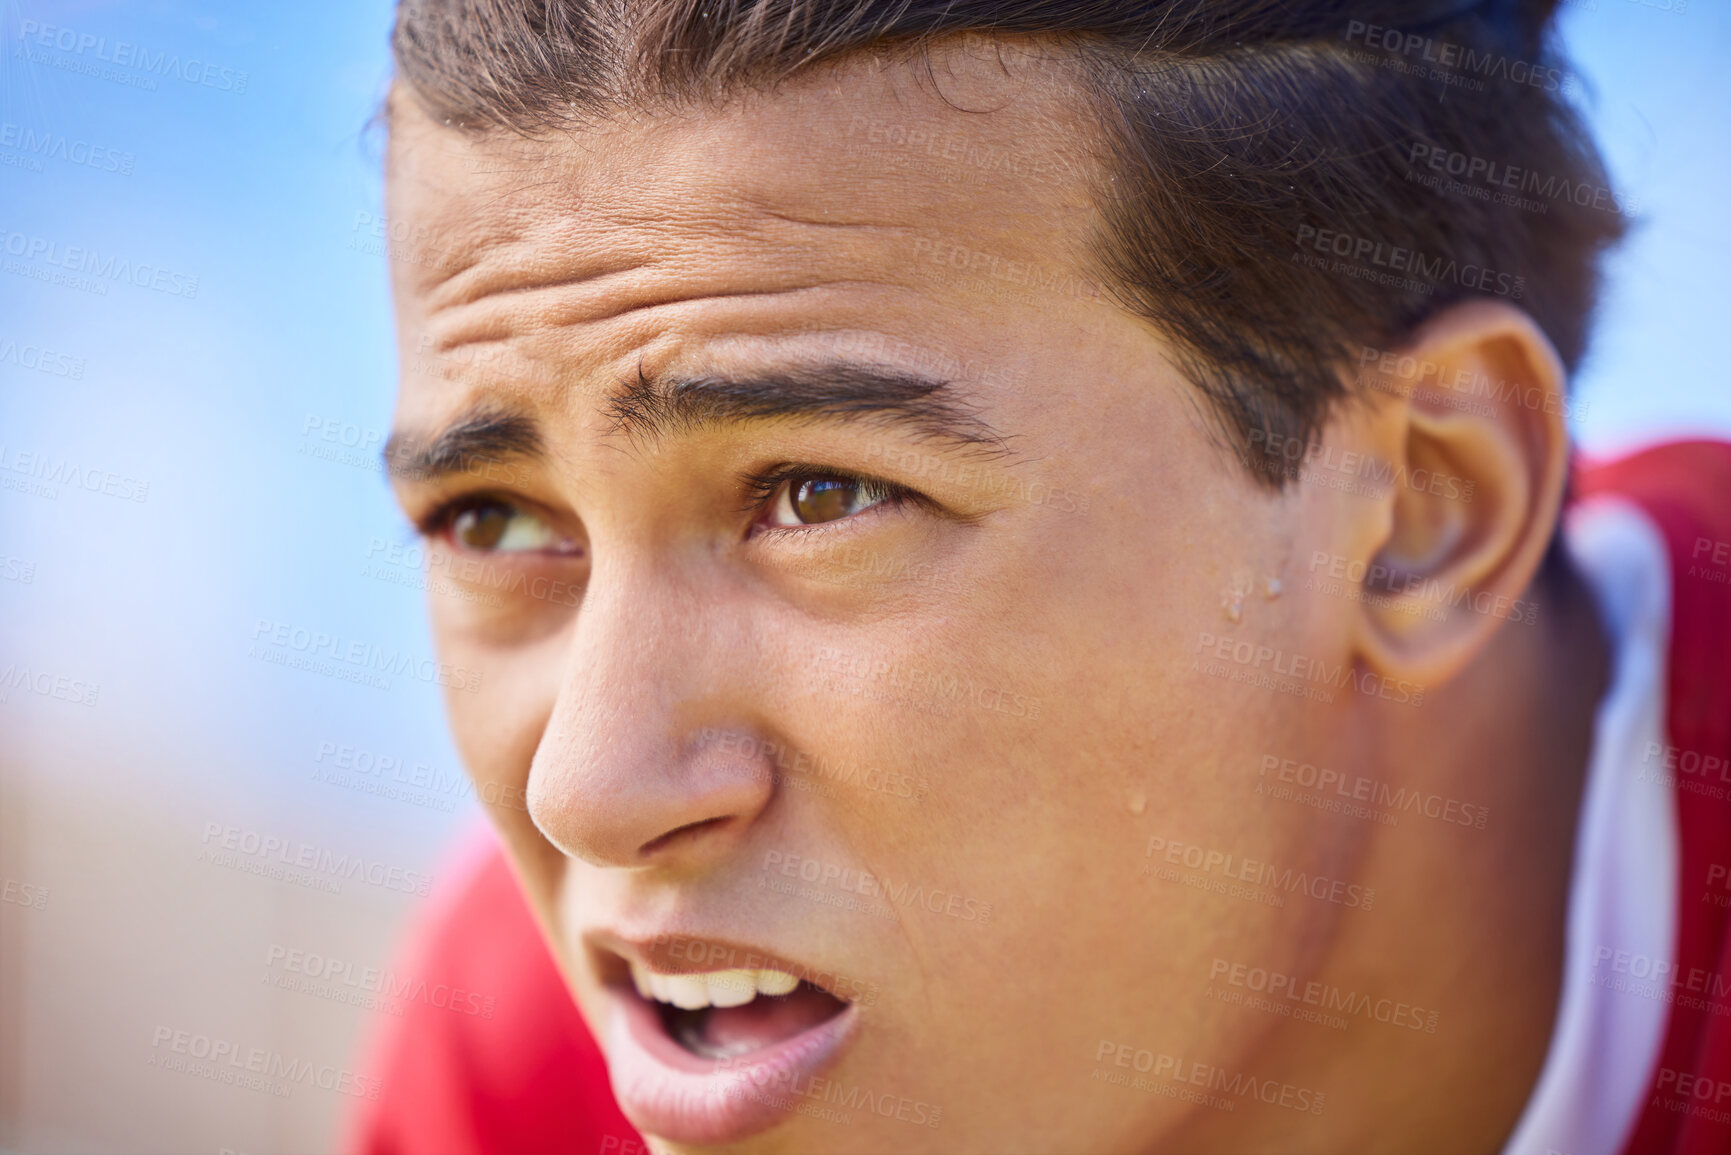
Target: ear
column 1472, row 415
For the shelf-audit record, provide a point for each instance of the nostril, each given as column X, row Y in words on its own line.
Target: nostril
column 667, row 839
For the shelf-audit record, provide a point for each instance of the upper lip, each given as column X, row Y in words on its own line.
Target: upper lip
column 673, row 953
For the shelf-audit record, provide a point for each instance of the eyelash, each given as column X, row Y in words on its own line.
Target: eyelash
column 762, row 488
column 436, row 522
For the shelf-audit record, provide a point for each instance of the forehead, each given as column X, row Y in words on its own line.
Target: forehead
column 918, row 198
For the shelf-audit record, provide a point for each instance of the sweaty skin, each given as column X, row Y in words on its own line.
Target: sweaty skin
column 1050, row 658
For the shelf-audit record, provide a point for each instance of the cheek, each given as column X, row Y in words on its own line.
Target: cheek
column 1143, row 734
column 497, row 722
column 497, row 603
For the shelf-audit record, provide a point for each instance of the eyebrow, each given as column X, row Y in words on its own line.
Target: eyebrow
column 480, row 437
column 648, row 409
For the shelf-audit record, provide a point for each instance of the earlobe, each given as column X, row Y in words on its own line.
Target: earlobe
column 1480, row 457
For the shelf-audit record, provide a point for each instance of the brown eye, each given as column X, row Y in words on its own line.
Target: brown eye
column 481, row 527
column 816, row 498
column 500, row 527
column 824, row 499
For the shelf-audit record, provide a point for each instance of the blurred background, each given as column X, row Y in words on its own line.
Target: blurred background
column 209, row 844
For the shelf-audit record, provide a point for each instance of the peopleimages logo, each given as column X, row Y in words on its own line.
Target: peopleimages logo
column 390, row 776
column 24, row 894
column 1512, row 184
column 89, row 52
column 1459, row 64
column 302, row 648
column 1326, row 996
column 51, row 471
column 1267, row 875
column 40, row 358
column 1378, row 577
column 79, row 259
column 712, row 956
column 225, row 1060
column 49, row 685
column 228, row 846
column 936, row 900
column 1222, row 1080
column 933, row 691
column 1467, row 381
column 1288, row 670
column 1348, row 789
column 1408, row 268
column 48, row 146
column 341, row 981
column 818, row 1097
column 476, row 578
column 845, row 772
column 1286, row 455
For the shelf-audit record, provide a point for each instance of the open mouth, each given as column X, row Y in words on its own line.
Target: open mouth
column 725, row 1015
column 716, row 1056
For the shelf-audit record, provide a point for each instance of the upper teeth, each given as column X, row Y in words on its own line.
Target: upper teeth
column 711, row 988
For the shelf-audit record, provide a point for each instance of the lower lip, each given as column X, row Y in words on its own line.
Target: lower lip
column 668, row 1092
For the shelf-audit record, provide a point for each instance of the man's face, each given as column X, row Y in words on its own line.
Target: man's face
column 838, row 578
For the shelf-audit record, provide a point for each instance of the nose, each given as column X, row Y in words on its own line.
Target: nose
column 627, row 773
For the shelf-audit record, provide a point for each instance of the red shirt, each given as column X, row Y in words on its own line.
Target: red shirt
column 1685, row 489
column 530, row 1078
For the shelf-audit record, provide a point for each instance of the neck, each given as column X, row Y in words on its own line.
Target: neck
column 1468, row 923
column 1483, row 913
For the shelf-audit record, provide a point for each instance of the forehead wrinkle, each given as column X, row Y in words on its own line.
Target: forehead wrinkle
column 505, row 295
column 505, row 317
column 587, row 228
column 733, row 161
column 558, row 364
column 775, row 249
column 576, row 252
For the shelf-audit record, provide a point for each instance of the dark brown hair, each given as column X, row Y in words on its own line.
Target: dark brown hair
column 1275, row 204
